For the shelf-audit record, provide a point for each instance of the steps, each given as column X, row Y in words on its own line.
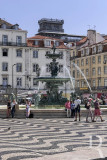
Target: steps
column 44, row 113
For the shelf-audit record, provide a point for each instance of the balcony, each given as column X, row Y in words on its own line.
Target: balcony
column 13, row 44
column 102, row 88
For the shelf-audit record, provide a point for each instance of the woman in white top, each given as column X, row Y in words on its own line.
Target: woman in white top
column 28, row 104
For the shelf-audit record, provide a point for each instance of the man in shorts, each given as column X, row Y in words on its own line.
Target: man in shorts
column 77, row 108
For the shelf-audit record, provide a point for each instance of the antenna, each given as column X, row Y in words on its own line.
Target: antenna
column 94, row 27
column 89, row 26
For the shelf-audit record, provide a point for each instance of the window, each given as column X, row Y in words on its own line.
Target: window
column 105, row 69
column 19, row 67
column 99, row 70
column 35, row 67
column 74, row 74
column 99, row 82
column 35, row 54
column 78, row 73
column 99, row 59
column 82, row 83
column 3, row 26
column 61, row 55
column 36, row 43
column 4, row 81
column 105, row 82
column 105, row 58
column 93, row 71
column 86, row 61
column 5, row 39
column 4, row 66
column 78, row 84
column 18, row 40
column 87, row 51
column 48, row 43
column 5, row 52
column 73, row 65
column 19, row 82
column 47, row 67
column 60, row 68
column 82, row 62
column 93, row 83
column 56, row 43
column 99, row 48
column 35, row 82
column 94, row 50
column 73, row 53
column 77, row 62
column 93, row 60
column 87, row 72
column 18, row 53
column 82, row 52
column 82, row 71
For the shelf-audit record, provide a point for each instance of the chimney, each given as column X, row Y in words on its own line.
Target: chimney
column 91, row 34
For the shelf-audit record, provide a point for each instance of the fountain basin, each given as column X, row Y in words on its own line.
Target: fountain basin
column 54, row 79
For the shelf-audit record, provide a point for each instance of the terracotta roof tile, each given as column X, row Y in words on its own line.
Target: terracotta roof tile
column 43, row 37
column 30, row 42
column 82, row 41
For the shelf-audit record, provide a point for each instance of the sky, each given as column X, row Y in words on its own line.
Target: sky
column 78, row 15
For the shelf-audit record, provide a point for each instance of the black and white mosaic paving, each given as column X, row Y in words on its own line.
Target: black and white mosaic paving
column 28, row 139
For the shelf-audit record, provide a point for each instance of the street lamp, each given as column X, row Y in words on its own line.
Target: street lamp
column 12, row 75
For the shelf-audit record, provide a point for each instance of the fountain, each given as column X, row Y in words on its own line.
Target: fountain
column 52, row 83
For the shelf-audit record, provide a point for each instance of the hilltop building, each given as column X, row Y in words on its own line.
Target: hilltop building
column 54, row 28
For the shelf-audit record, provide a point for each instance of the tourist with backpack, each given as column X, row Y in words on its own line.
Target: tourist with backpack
column 77, row 108
column 97, row 111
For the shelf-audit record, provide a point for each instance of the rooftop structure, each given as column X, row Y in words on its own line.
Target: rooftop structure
column 54, row 28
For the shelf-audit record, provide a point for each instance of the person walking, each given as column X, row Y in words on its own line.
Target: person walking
column 77, row 108
column 97, row 111
column 89, row 110
column 68, row 107
column 72, row 109
column 28, row 104
column 13, row 108
column 8, row 108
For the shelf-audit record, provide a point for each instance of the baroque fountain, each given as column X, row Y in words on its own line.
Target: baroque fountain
column 52, row 83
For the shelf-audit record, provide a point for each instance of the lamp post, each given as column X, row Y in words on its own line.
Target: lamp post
column 12, row 75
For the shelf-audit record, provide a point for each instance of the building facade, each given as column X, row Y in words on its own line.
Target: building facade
column 12, row 54
column 22, row 60
column 89, row 64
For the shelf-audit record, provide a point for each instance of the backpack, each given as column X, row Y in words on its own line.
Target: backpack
column 96, row 105
column 87, row 106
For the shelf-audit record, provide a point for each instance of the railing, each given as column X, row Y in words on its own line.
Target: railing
column 52, row 20
column 13, row 44
column 50, row 30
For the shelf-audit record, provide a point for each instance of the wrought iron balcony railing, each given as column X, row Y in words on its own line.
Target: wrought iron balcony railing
column 13, row 44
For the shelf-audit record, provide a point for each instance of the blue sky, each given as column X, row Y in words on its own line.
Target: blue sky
column 77, row 14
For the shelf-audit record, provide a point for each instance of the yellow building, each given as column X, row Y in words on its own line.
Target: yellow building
column 89, row 67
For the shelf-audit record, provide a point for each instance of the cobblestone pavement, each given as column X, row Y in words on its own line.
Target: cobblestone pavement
column 52, row 139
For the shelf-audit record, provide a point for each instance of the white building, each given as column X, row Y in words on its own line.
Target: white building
column 35, row 58
column 12, row 51
column 24, row 56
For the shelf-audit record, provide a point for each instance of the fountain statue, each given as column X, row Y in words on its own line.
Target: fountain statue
column 53, row 95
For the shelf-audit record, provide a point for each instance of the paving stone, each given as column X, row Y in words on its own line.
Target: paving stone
column 55, row 139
